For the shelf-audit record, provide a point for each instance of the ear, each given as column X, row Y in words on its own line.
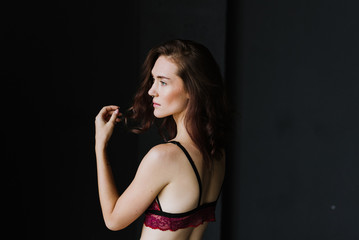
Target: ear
column 187, row 96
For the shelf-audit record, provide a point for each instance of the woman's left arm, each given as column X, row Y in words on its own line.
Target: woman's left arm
column 105, row 122
column 153, row 174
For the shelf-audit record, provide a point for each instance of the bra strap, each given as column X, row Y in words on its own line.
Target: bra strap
column 194, row 169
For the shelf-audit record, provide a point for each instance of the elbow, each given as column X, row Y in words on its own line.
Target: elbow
column 114, row 225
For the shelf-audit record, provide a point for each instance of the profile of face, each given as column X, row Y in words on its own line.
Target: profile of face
column 168, row 90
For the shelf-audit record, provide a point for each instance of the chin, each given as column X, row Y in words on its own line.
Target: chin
column 159, row 115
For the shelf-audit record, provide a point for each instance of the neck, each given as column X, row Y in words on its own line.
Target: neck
column 182, row 133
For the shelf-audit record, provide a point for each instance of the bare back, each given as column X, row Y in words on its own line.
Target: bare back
column 182, row 193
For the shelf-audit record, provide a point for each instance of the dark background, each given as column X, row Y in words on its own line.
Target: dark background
column 293, row 79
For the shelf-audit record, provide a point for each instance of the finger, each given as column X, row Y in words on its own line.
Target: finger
column 114, row 116
column 110, row 113
column 106, row 112
column 108, row 109
column 111, row 107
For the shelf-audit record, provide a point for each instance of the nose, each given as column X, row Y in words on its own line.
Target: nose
column 153, row 91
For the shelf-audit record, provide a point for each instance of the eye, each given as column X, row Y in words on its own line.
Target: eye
column 163, row 83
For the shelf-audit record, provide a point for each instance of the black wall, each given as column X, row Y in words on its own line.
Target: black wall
column 292, row 74
column 63, row 62
column 294, row 160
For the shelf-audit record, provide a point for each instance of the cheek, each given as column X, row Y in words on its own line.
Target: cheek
column 173, row 101
column 176, row 98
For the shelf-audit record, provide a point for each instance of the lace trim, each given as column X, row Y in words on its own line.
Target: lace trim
column 157, row 219
column 173, row 230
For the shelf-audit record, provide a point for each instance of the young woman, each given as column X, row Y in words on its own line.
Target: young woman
column 178, row 182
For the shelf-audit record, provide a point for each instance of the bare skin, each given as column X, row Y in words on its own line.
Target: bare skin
column 164, row 171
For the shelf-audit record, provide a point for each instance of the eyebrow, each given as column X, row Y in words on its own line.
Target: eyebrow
column 160, row 77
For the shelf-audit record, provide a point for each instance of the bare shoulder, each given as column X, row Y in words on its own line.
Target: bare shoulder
column 166, row 149
column 163, row 156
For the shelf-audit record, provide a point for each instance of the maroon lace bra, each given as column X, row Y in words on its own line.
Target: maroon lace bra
column 155, row 218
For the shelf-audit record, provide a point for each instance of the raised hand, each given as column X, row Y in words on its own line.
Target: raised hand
column 105, row 123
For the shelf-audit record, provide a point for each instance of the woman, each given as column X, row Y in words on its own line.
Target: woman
column 178, row 182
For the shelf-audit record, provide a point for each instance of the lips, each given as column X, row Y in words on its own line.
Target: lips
column 156, row 104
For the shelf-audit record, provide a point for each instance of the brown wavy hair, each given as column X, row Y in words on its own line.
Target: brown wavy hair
column 207, row 108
